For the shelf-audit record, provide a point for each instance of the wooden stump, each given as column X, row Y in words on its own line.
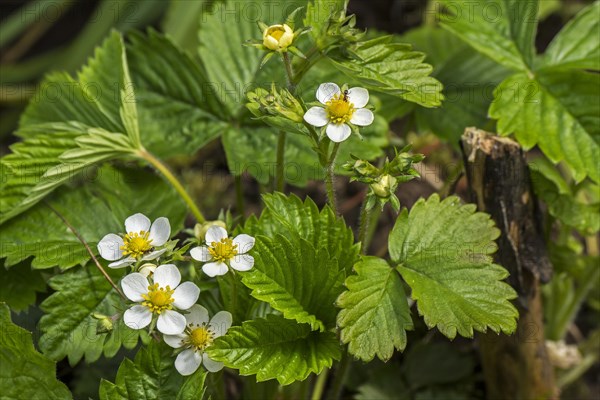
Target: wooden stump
column 516, row 366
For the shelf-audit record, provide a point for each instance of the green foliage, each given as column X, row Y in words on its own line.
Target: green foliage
column 276, row 348
column 293, row 218
column 577, row 44
column 318, row 15
column 550, row 102
column 19, row 285
column 110, row 195
column 442, row 247
column 68, row 328
column 25, row 373
column 375, row 314
column 506, row 36
column 152, row 375
column 394, row 68
column 296, row 279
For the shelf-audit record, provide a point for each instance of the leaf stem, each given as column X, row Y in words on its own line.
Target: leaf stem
column 162, row 168
column 279, row 173
column 87, row 247
column 339, row 377
column 319, row 385
column 364, row 227
column 329, row 178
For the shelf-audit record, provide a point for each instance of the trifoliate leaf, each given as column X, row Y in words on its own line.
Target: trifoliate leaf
column 276, row 348
column 19, row 285
column 290, row 216
column 557, row 110
column 443, row 250
column 577, row 45
column 110, row 196
column 178, row 107
column 375, row 314
column 25, row 373
column 504, row 30
column 394, row 68
column 295, row 279
column 152, row 375
column 68, row 327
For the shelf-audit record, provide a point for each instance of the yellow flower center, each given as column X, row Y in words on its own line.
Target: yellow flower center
column 158, row 299
column 339, row 109
column 277, row 33
column 136, row 244
column 200, row 337
column 223, row 250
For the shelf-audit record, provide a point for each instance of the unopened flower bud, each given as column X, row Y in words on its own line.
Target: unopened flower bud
column 384, row 186
column 201, row 229
column 278, row 37
column 105, row 323
column 147, row 269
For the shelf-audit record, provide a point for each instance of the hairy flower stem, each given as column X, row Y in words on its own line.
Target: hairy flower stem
column 87, row 247
column 329, row 178
column 162, row 168
column 280, row 170
column 364, row 227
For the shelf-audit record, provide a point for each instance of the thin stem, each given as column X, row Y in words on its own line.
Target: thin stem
column 364, row 227
column 339, row 376
column 329, row 177
column 320, row 385
column 87, row 247
column 239, row 195
column 289, row 72
column 162, row 168
column 279, row 175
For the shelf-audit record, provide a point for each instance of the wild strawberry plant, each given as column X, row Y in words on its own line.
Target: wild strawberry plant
column 90, row 204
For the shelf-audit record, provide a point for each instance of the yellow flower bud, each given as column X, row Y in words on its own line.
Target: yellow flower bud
column 384, row 186
column 278, row 37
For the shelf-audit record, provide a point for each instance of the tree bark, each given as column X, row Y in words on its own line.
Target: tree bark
column 516, row 366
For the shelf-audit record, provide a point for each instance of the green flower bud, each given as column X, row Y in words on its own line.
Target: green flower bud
column 201, row 229
column 385, row 186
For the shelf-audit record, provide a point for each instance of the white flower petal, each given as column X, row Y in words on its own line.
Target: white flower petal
column 153, row 255
column 197, row 315
column 358, row 96
column 175, row 341
column 122, row 263
column 215, row 268
column 170, row 322
column 134, row 286
column 137, row 223
column 221, row 322
column 210, row 365
column 326, row 91
column 242, row 262
column 187, row 362
column 160, row 231
column 316, row 116
column 200, row 253
column 338, row 133
column 185, row 295
column 137, row 317
column 110, row 247
column 215, row 234
column 147, row 269
column 167, row 275
column 244, row 243
column 362, row 117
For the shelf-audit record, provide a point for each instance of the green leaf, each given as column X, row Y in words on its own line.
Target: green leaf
column 68, row 328
column 558, row 110
column 178, row 107
column 504, row 30
column 577, row 45
column 291, row 217
column 276, row 348
column 318, row 13
column 443, row 248
column 394, row 68
column 375, row 314
column 19, row 285
column 25, row 373
column 295, row 279
column 152, row 375
column 110, row 196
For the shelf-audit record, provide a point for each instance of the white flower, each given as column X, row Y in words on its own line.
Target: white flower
column 198, row 335
column 160, row 297
column 340, row 109
column 222, row 251
column 138, row 243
